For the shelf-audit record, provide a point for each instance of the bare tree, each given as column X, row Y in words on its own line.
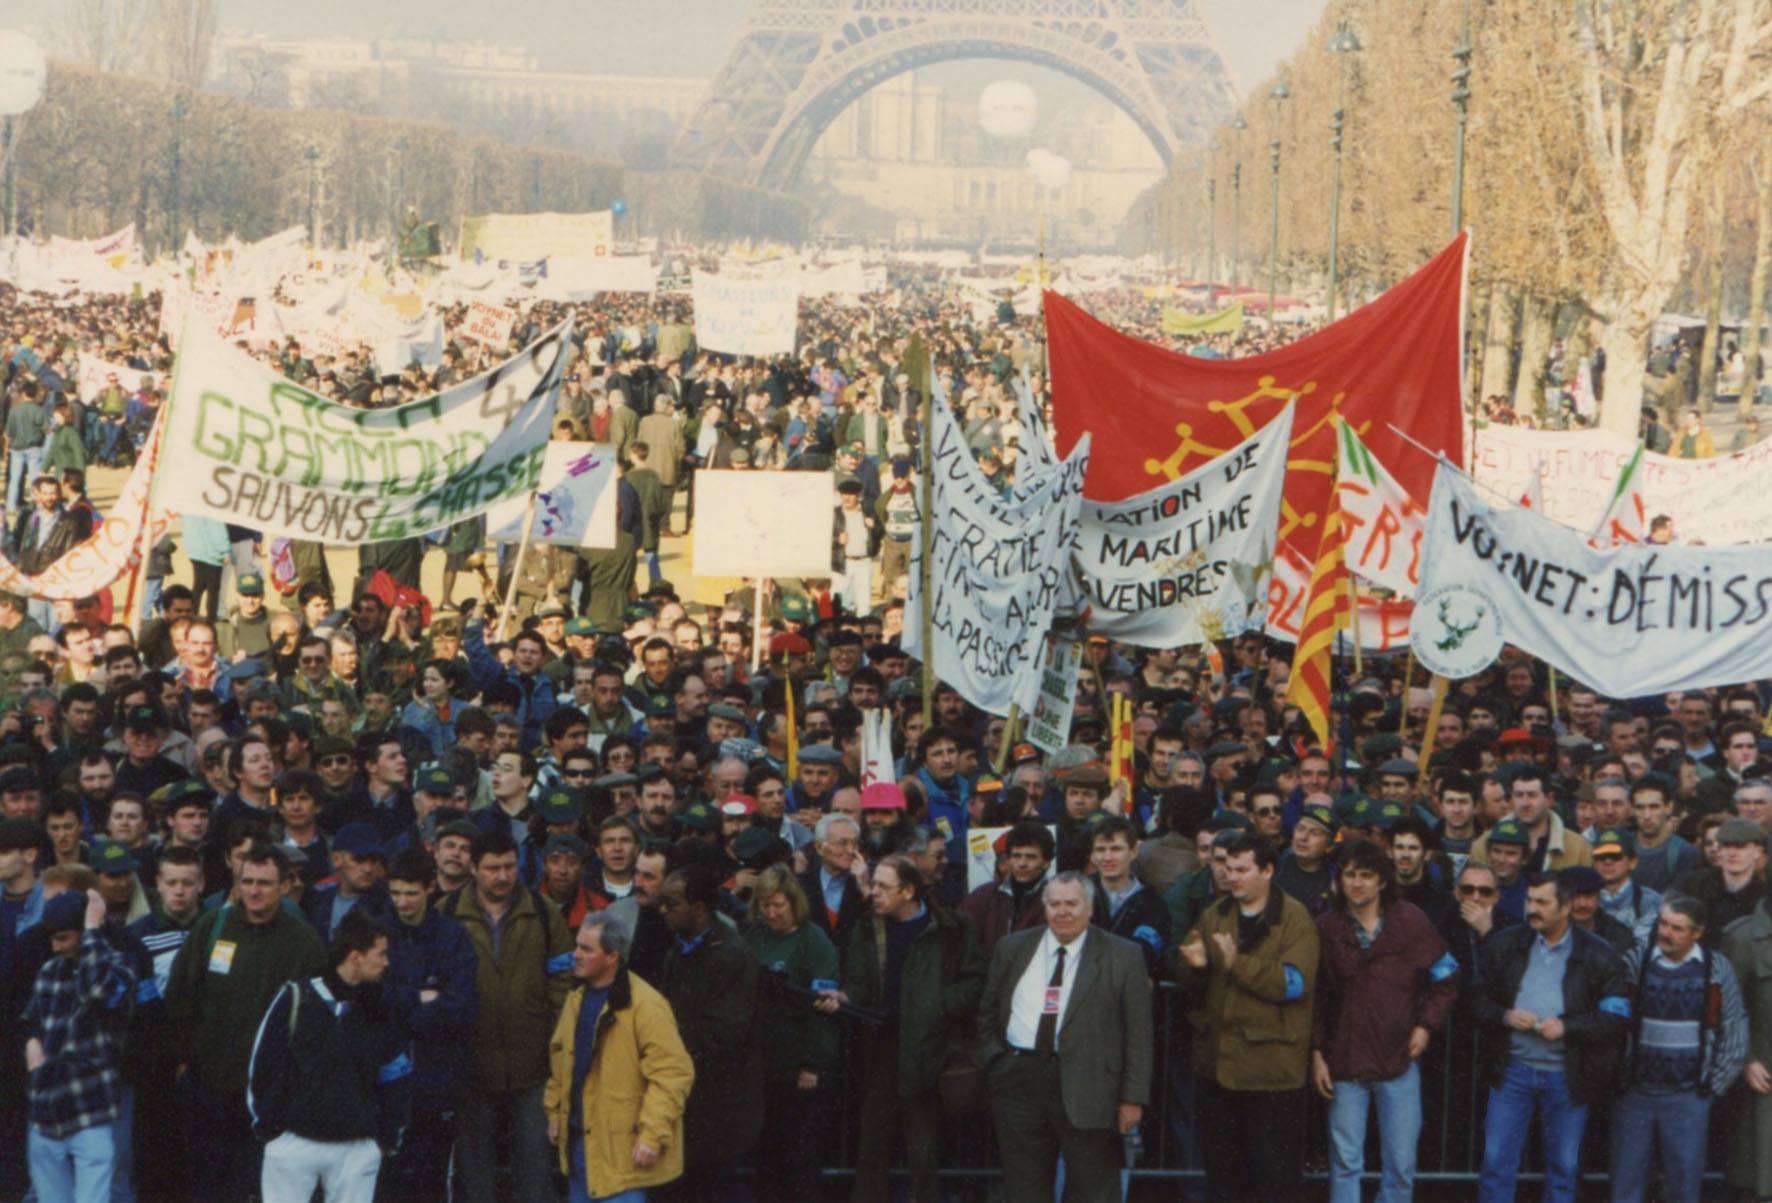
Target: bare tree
column 105, row 33
column 1657, row 77
column 180, row 35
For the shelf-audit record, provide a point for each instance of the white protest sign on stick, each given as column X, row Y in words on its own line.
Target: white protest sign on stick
column 1049, row 723
column 764, row 524
column 574, row 505
column 1186, row 562
column 1630, row 621
column 490, row 324
column 257, row 449
column 746, row 316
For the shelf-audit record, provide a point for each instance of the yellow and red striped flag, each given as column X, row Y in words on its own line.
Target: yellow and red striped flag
column 1326, row 611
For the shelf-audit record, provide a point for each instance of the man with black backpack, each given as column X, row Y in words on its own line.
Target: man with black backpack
column 330, row 1079
column 1689, row 1040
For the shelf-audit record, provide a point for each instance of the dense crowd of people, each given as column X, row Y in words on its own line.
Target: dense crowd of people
column 399, row 896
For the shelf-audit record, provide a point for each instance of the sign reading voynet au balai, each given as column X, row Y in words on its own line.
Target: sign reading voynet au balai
column 249, row 446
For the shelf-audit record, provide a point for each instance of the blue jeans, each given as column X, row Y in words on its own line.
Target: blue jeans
column 1679, row 1123
column 123, row 1140
column 151, row 589
column 1524, row 1089
column 575, row 1182
column 21, row 466
column 74, row 1169
column 1399, row 1132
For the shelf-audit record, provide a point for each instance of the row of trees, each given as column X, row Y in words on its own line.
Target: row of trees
column 104, row 149
column 1617, row 163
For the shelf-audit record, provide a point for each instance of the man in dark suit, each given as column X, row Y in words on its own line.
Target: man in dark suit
column 1065, row 1038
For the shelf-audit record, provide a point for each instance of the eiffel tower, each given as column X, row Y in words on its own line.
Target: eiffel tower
column 800, row 63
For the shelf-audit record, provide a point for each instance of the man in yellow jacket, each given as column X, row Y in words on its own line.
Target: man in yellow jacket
column 619, row 1075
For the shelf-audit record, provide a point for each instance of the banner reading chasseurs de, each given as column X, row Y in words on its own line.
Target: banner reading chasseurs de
column 1631, row 621
column 1189, row 561
column 256, row 449
column 746, row 316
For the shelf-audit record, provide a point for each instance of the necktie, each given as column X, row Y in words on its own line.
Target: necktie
column 1046, row 1035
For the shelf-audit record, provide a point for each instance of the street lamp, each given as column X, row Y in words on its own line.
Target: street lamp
column 172, row 206
column 1238, row 125
column 312, row 155
column 1211, row 227
column 1461, row 96
column 1344, row 43
column 1278, row 96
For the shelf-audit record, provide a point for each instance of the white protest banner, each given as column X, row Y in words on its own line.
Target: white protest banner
column 764, row 524
column 95, row 376
column 1049, row 723
column 1383, row 525
column 746, row 317
column 1186, row 562
column 574, row 505
column 424, row 344
column 115, row 249
column 584, row 279
column 1383, row 621
column 1000, row 570
column 1630, row 621
column 490, row 324
column 259, row 450
column 1718, row 500
column 114, row 548
column 230, row 318
column 524, row 237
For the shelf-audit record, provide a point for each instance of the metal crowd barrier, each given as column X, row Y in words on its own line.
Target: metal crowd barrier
column 1453, row 1101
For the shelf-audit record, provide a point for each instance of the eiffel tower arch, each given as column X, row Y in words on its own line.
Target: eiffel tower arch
column 800, row 63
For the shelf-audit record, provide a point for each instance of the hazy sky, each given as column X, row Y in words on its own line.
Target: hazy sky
column 673, row 37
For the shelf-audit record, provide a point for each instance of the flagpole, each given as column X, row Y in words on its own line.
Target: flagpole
column 1353, row 624
column 1553, row 695
column 757, row 626
column 1433, row 722
column 1408, row 671
column 1002, row 756
column 504, row 618
column 926, row 534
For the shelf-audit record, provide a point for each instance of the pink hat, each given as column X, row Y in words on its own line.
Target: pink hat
column 882, row 795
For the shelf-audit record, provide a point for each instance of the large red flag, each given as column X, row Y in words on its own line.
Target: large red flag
column 1156, row 414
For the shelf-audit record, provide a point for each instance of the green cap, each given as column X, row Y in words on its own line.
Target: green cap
column 758, row 847
column 560, row 805
column 580, row 626
column 1508, row 831
column 435, row 780
column 635, row 611
column 1614, row 839
column 108, row 856
column 795, row 608
column 700, row 816
column 250, row 584
column 1322, row 816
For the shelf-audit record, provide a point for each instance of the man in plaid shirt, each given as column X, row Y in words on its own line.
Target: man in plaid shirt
column 73, row 1053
